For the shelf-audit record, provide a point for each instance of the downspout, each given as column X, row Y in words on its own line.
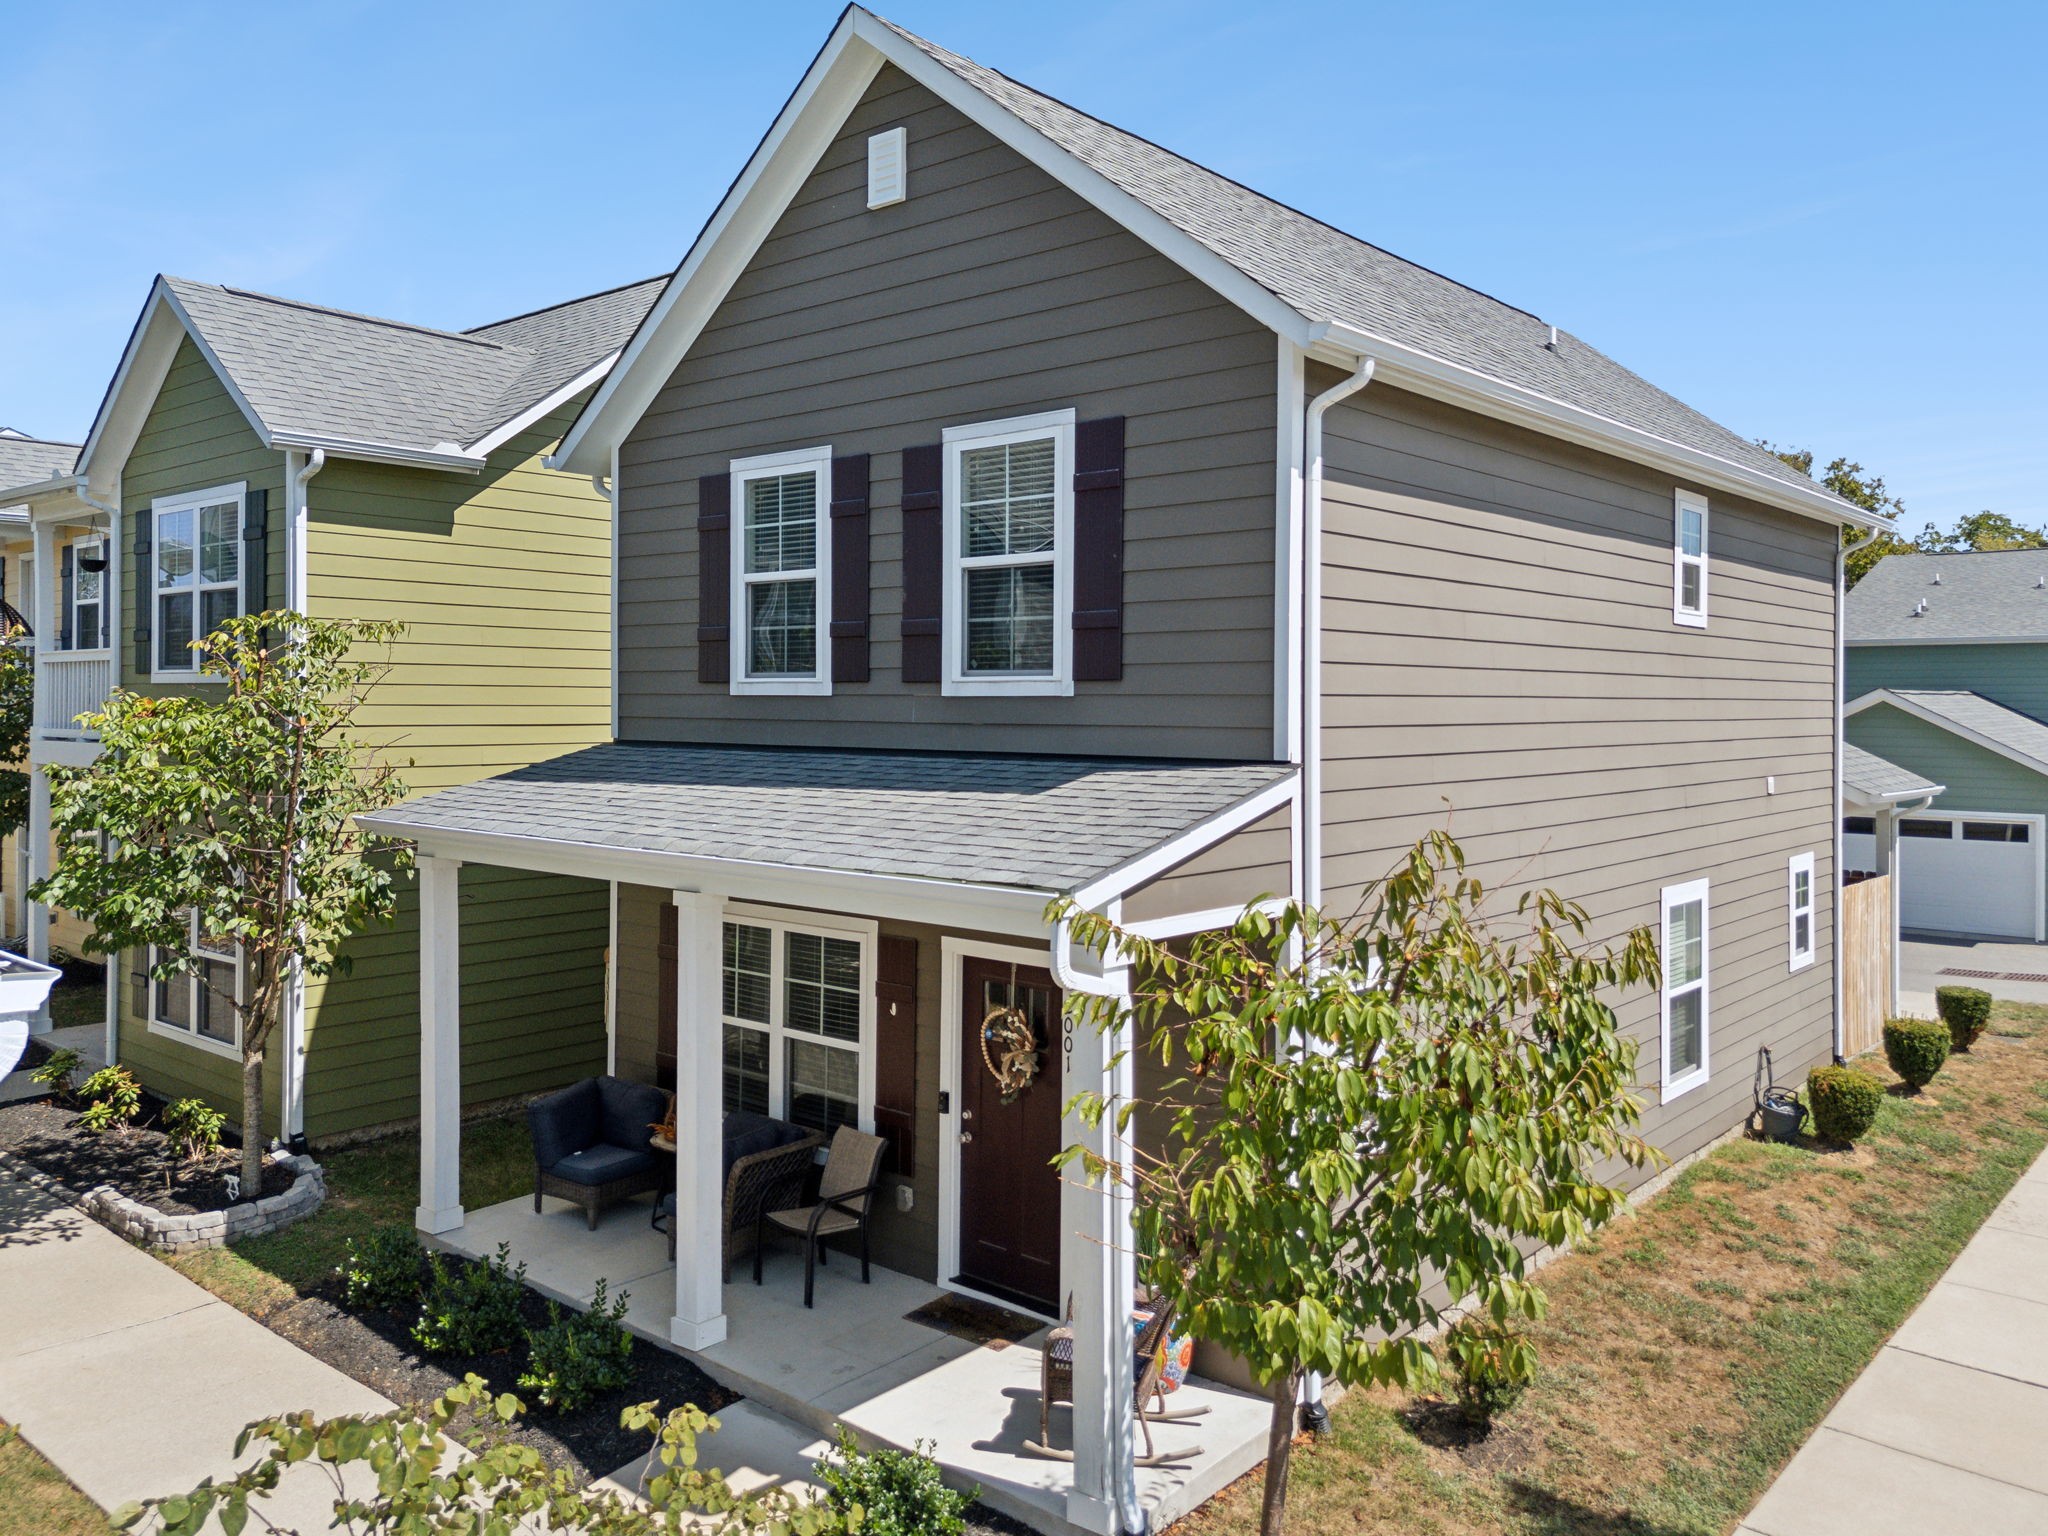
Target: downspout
column 1844, row 551
column 298, row 557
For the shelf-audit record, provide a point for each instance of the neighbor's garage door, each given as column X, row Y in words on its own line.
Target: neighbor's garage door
column 1959, row 874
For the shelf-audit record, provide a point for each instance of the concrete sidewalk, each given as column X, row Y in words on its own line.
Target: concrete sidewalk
column 132, row 1380
column 1948, row 1428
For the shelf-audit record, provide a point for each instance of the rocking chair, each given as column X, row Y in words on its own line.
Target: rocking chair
column 1056, row 1385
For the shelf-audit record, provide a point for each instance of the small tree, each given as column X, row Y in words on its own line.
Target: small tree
column 17, row 712
column 1363, row 1110
column 239, row 810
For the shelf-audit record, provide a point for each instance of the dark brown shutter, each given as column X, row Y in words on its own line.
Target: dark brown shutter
column 665, row 1000
column 145, row 590
column 896, row 1050
column 256, row 551
column 850, row 568
column 714, row 579
column 924, row 561
column 66, row 565
column 1099, row 550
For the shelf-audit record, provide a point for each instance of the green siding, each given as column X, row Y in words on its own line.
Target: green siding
column 1976, row 779
column 2013, row 675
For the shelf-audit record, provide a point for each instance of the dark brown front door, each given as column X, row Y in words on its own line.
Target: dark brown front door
column 1009, row 1189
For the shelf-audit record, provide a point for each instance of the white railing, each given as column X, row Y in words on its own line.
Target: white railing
column 70, row 684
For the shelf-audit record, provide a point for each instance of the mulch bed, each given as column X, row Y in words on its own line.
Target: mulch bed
column 131, row 1158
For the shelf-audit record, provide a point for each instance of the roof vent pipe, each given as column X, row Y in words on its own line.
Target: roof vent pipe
column 1937, row 578
column 1552, row 343
column 1919, row 607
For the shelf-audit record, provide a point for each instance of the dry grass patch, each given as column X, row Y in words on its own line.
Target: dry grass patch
column 36, row 1499
column 1693, row 1348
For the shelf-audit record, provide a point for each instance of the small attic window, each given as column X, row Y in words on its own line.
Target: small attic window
column 888, row 167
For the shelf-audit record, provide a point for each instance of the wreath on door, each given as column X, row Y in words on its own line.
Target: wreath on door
column 1009, row 1046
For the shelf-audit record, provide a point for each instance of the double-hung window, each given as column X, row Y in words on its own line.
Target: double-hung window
column 1799, row 905
column 197, row 581
column 1689, row 560
column 1009, row 535
column 88, row 594
column 198, row 1003
column 1684, row 927
column 781, row 573
column 799, row 1032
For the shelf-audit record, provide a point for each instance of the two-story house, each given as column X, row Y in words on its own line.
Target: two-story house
column 255, row 452
column 1008, row 508
column 1947, row 675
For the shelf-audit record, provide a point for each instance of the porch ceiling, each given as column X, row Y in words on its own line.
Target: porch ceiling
column 1032, row 824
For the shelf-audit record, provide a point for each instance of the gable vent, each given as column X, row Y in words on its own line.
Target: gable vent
column 888, row 168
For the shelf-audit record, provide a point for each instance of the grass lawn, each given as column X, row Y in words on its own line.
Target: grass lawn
column 34, row 1497
column 1691, row 1351
column 78, row 1000
column 368, row 1187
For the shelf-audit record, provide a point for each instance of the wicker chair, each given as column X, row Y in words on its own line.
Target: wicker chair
column 846, row 1198
column 592, row 1143
column 1056, row 1385
column 756, row 1182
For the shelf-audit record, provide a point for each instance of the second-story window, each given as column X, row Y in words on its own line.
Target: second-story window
column 198, row 578
column 780, row 573
column 1689, row 560
column 88, row 594
column 1009, row 510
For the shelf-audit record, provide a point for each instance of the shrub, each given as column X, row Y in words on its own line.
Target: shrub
column 112, row 1096
column 194, row 1128
column 581, row 1356
column 1844, row 1101
column 473, row 1309
column 1966, row 1010
column 1916, row 1048
column 900, row 1493
column 55, row 1073
column 381, row 1272
column 1491, row 1364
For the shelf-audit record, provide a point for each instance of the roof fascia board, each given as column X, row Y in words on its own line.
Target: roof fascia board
column 17, row 494
column 1940, row 639
column 1181, row 847
column 460, row 462
column 1941, row 722
column 1892, row 797
column 1424, row 374
column 1000, row 909
column 505, row 431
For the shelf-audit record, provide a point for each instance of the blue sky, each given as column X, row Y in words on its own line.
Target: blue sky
column 1822, row 224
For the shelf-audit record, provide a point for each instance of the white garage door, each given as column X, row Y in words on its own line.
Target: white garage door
column 1959, row 874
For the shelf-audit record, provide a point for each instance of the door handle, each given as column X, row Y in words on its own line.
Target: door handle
column 966, row 1136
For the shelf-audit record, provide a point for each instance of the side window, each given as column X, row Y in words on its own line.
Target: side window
column 1009, row 528
column 196, row 582
column 1683, row 926
column 1689, row 560
column 1799, row 904
column 199, row 1003
column 88, row 594
column 780, row 573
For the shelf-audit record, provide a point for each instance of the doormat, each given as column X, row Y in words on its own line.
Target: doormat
column 979, row 1322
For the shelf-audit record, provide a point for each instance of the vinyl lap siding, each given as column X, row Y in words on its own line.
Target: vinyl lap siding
column 1975, row 778
column 992, row 292
column 2014, row 675
column 1501, row 658
column 1257, row 861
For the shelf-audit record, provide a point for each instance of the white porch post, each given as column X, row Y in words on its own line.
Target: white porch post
column 699, row 1320
column 38, row 867
column 1098, row 1264
column 440, row 1207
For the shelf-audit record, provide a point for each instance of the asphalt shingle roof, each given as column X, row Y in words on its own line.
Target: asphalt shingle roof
column 1972, row 712
column 31, row 460
column 1327, row 275
column 1036, row 823
column 333, row 374
column 1868, row 779
column 1997, row 595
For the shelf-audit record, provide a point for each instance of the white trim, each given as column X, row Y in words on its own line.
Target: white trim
column 147, row 588
column 1942, row 722
column 952, row 951
column 1185, row 845
column 505, row 431
column 887, row 188
column 1798, row 959
column 818, row 461
column 1206, row 921
column 1957, row 640
column 105, row 628
column 448, row 456
column 781, row 921
column 1289, row 491
column 611, row 979
column 612, row 619
column 958, row 681
column 1682, row 502
column 1670, row 897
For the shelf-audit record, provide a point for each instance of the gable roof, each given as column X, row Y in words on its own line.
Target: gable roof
column 308, row 376
column 27, row 461
column 1971, row 716
column 1868, row 779
column 1310, row 282
column 1991, row 596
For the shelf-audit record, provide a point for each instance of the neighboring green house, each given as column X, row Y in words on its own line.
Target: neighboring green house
column 1947, row 675
column 253, row 453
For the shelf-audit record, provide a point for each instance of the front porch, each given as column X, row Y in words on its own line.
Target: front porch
column 857, row 1359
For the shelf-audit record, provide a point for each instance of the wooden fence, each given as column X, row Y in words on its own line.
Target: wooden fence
column 1866, row 959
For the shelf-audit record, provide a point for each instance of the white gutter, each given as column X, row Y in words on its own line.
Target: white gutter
column 1312, row 638
column 1842, row 555
column 451, row 458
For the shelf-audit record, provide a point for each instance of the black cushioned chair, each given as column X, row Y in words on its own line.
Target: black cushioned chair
column 592, row 1143
column 766, row 1164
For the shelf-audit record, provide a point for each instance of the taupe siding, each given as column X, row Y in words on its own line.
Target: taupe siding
column 1501, row 657
column 991, row 292
column 1243, row 867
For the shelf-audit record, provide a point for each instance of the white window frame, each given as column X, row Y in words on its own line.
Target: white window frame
column 146, row 584
column 1800, row 958
column 959, row 683
column 1683, row 502
column 194, row 978
column 1670, row 898
column 80, row 548
column 772, row 466
column 781, row 921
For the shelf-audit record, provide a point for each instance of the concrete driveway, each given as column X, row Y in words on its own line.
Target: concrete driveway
column 1926, row 963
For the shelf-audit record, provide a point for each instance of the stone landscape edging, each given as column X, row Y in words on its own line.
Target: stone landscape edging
column 161, row 1230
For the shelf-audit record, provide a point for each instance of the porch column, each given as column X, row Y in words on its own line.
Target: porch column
column 699, row 1320
column 38, row 834
column 1098, row 1264
column 1888, row 865
column 440, row 1207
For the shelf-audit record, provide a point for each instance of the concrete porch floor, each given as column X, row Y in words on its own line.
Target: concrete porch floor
column 855, row 1359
